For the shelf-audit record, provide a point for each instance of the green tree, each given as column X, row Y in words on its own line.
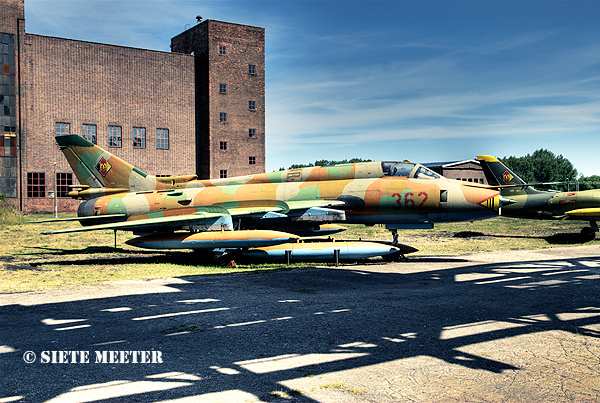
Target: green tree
column 542, row 166
column 328, row 163
column 589, row 182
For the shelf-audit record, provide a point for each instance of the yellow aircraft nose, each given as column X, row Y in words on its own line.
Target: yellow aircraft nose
column 486, row 198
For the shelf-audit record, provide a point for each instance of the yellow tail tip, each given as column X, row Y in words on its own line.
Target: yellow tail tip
column 487, row 158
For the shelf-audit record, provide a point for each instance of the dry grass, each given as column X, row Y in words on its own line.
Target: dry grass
column 8, row 214
column 481, row 236
column 31, row 261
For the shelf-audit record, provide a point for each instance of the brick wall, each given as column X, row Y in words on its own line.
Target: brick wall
column 468, row 171
column 11, row 10
column 89, row 83
column 75, row 82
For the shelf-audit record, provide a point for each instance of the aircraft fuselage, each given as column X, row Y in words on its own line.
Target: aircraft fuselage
column 370, row 200
column 550, row 205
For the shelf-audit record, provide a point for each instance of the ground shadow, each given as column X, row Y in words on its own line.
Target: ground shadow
column 566, row 238
column 253, row 333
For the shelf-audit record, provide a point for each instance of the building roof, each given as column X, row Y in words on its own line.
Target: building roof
column 449, row 164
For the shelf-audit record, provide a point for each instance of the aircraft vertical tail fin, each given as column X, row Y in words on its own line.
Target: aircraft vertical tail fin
column 97, row 168
column 496, row 173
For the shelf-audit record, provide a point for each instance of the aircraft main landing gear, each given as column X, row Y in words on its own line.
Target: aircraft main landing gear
column 396, row 256
column 395, row 237
column 589, row 233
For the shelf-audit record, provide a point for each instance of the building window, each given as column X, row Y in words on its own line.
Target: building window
column 223, row 117
column 222, row 88
column 7, row 96
column 162, row 139
column 252, row 133
column 64, row 181
column 62, row 129
column 8, row 121
column 223, row 145
column 114, row 136
column 252, row 105
column 36, row 184
column 251, row 160
column 223, row 173
column 252, row 69
column 139, row 137
column 89, row 133
column 222, row 49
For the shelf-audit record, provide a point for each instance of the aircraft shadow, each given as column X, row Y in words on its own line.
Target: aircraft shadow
column 88, row 249
column 126, row 256
column 435, row 259
column 184, row 258
column 113, row 256
column 566, row 238
column 252, row 333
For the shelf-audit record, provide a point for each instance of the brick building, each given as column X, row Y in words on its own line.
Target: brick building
column 198, row 109
column 467, row 170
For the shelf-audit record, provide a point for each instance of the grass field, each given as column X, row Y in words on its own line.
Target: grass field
column 31, row 261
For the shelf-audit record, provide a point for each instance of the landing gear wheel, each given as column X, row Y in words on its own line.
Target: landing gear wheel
column 588, row 234
column 206, row 257
column 394, row 257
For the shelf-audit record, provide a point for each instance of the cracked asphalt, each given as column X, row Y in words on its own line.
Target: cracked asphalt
column 521, row 326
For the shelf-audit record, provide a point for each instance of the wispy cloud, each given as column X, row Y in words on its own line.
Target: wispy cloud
column 135, row 23
column 459, row 91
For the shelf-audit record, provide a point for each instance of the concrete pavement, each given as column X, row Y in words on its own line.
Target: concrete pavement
column 511, row 326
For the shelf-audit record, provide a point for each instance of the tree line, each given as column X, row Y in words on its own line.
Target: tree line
column 324, row 163
column 544, row 166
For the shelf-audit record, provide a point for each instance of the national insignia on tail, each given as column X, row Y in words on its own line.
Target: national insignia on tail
column 507, row 177
column 103, row 167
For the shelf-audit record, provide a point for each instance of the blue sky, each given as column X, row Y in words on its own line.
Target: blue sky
column 392, row 80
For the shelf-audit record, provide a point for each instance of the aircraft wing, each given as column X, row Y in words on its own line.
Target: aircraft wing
column 141, row 224
column 206, row 215
column 108, row 216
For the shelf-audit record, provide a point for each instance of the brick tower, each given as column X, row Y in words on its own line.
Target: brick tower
column 230, row 96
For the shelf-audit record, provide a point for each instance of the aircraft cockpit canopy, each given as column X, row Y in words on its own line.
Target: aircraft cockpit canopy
column 407, row 169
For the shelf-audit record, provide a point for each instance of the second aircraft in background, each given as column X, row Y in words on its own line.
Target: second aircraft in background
column 524, row 201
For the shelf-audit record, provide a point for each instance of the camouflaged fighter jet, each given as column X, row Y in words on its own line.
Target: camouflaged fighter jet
column 248, row 211
column 523, row 201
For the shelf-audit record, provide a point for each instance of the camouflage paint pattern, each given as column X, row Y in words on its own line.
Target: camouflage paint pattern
column 371, row 193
